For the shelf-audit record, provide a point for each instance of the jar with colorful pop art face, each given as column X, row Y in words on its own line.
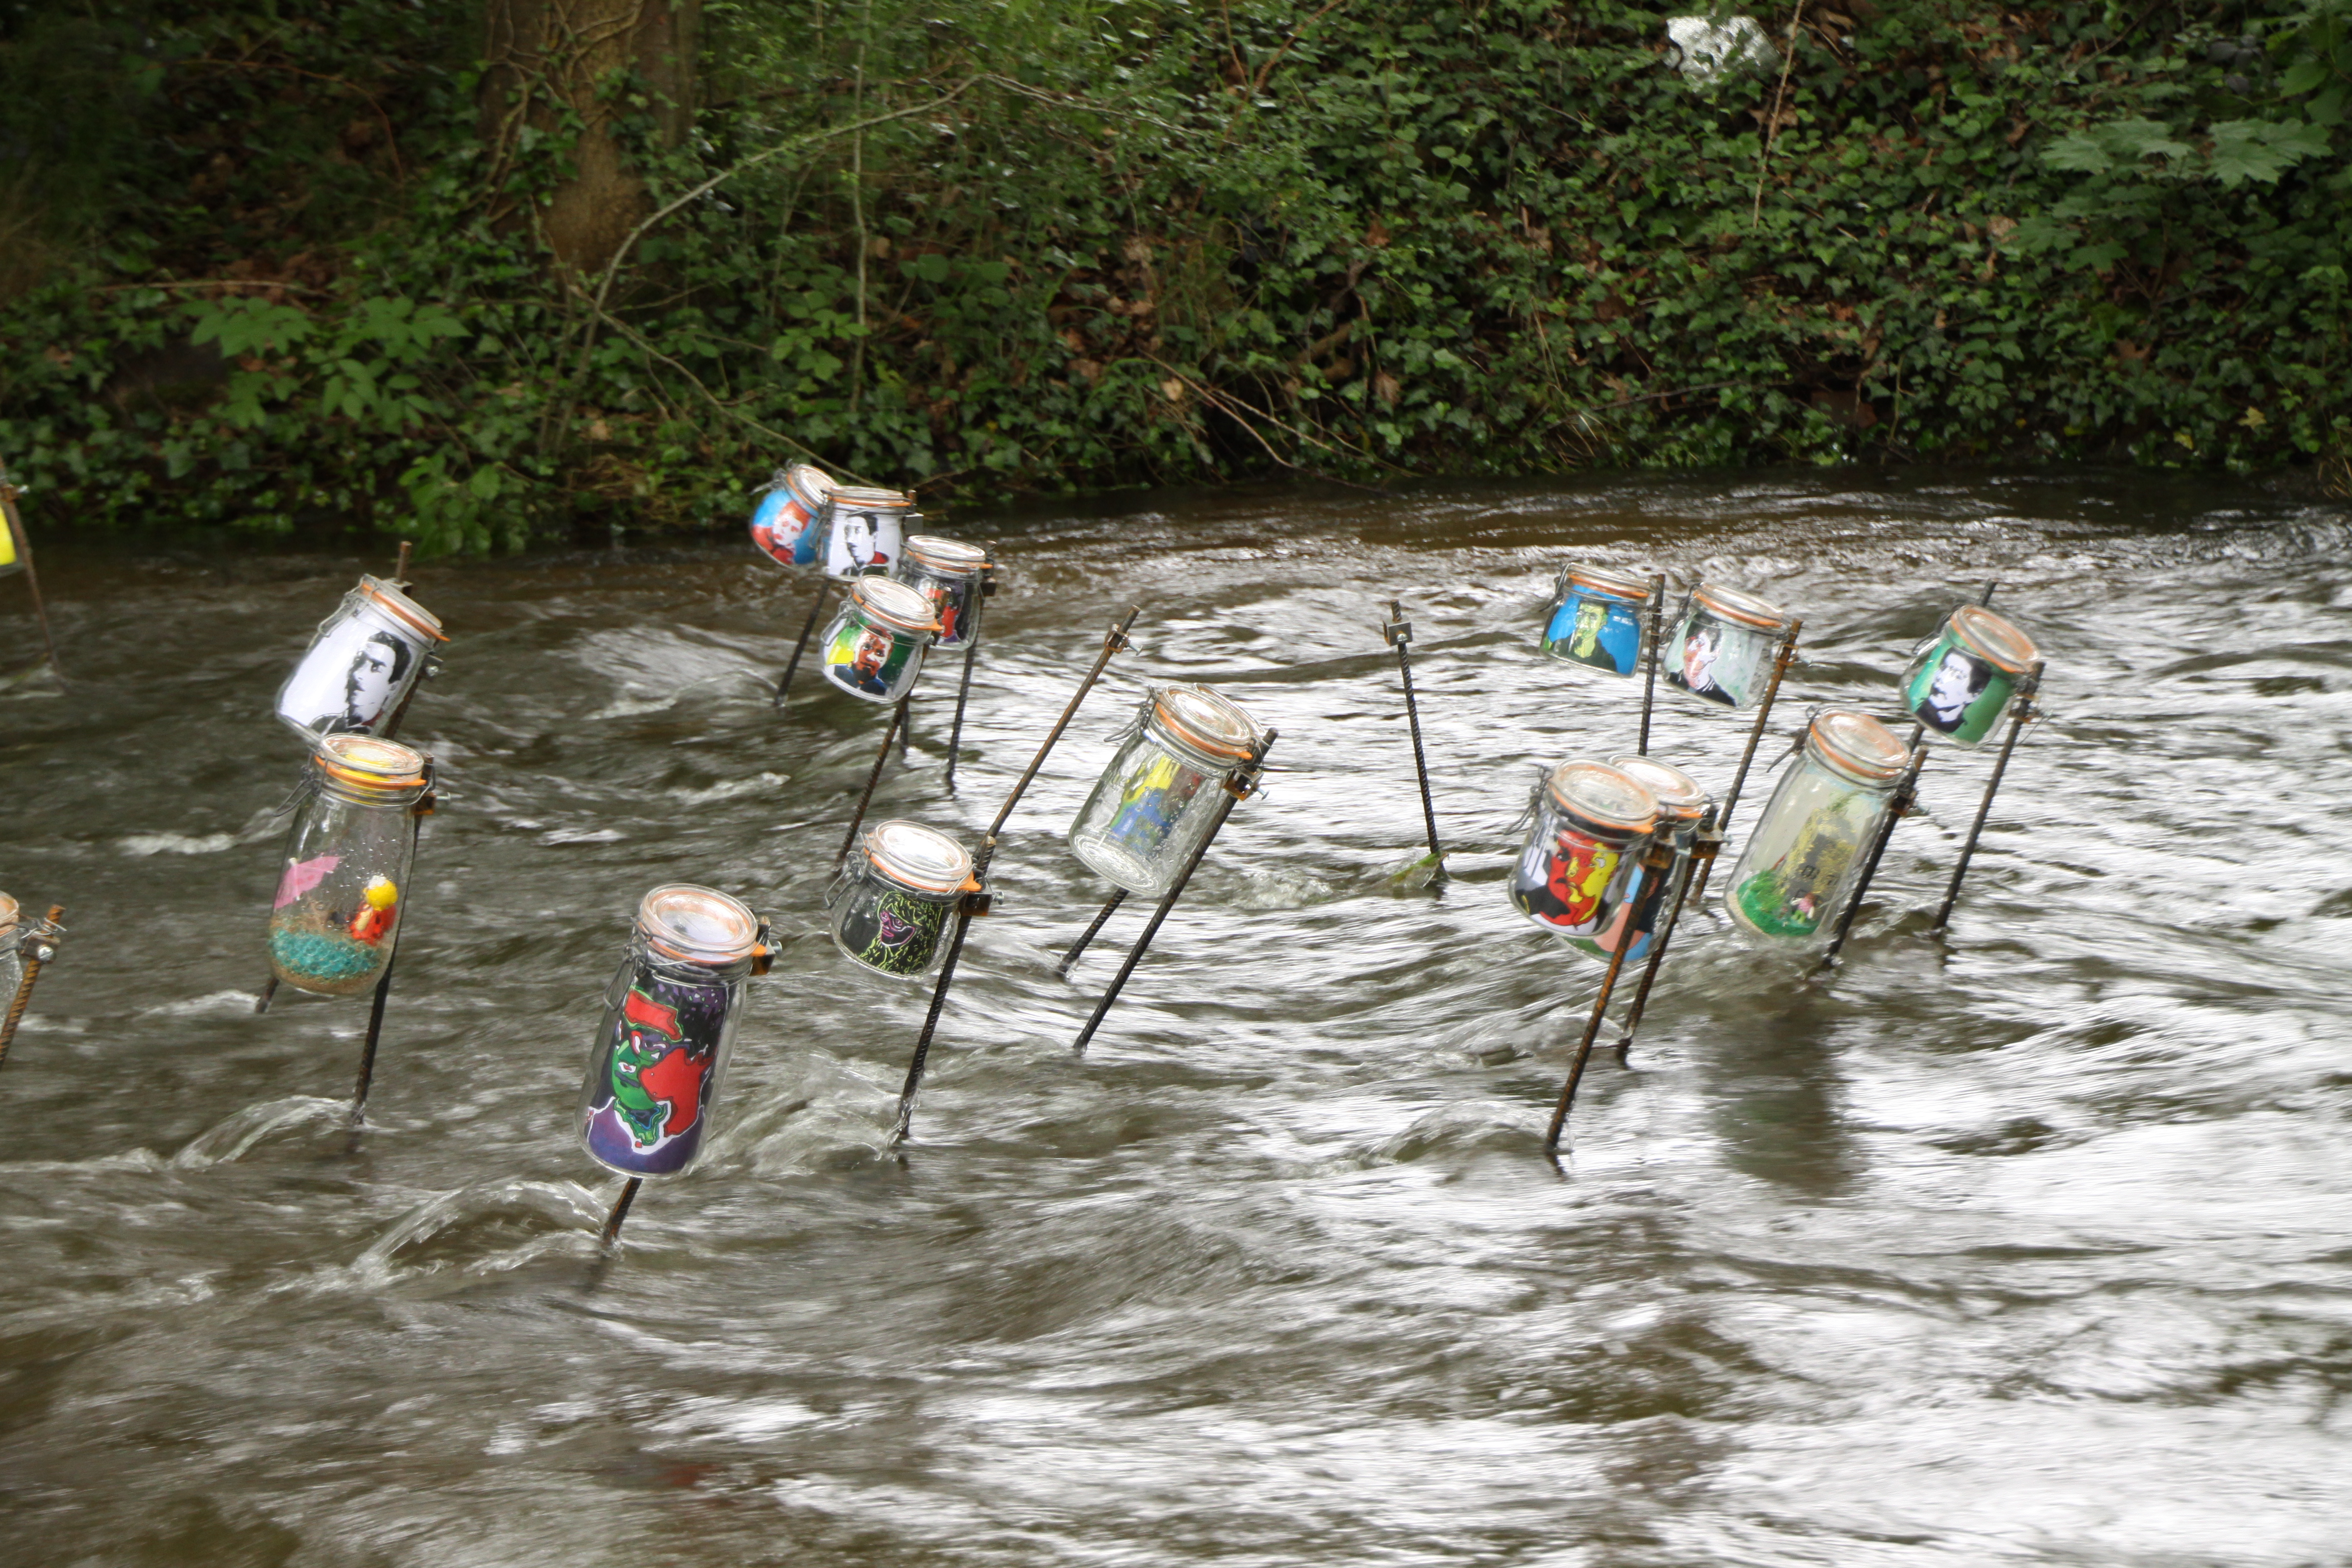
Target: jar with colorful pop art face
column 1580, row 862
column 789, row 528
column 1595, row 619
column 361, row 665
column 1961, row 681
column 1157, row 801
column 1797, row 868
column 1682, row 808
column 874, row 649
column 342, row 889
column 868, row 531
column 660, row 1051
column 891, row 903
column 947, row 573
column 1721, row 649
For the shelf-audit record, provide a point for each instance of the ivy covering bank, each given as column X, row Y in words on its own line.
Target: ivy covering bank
column 284, row 268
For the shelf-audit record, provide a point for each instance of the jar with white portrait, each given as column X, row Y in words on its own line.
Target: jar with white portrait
column 1721, row 649
column 868, row 530
column 361, row 664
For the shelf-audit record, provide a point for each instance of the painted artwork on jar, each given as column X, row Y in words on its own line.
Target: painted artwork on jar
column 892, row 932
column 867, row 658
column 657, row 1062
column 1564, row 879
column 1961, row 682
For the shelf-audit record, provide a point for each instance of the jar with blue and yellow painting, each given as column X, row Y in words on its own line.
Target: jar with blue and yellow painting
column 1157, row 800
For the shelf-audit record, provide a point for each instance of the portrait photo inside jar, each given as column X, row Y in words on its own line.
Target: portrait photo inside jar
column 1702, row 650
column 649, row 1111
column 867, row 658
column 1952, row 683
column 1596, row 632
column 345, row 684
column 781, row 528
column 861, row 543
column 1562, row 878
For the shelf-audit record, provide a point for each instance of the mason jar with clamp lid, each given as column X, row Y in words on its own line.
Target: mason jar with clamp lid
column 868, row 530
column 361, row 664
column 950, row 575
column 1595, row 618
column 12, row 939
column 343, row 888
column 1722, row 645
column 890, row 905
column 1581, row 859
column 660, row 1052
column 1155, row 802
column 874, row 649
column 1962, row 680
column 1683, row 807
column 789, row 526
column 1796, row 869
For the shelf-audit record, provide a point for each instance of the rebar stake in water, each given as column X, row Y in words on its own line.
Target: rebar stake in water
column 1649, row 680
column 1653, row 863
column 1398, row 632
column 1898, row 807
column 1086, row 937
column 1241, row 782
column 2021, row 710
column 367, row 1051
column 974, row 902
column 15, row 526
column 1695, row 892
column 963, row 682
column 620, row 1211
column 823, row 589
column 881, row 760
column 39, row 947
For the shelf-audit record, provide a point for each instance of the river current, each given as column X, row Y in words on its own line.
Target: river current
column 2025, row 1244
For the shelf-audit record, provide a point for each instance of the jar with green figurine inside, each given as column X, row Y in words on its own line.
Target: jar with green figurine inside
column 1798, row 867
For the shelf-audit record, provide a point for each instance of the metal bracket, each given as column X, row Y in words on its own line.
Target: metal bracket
column 40, row 939
column 1116, row 640
column 1397, row 633
column 763, row 955
column 987, row 579
column 976, row 903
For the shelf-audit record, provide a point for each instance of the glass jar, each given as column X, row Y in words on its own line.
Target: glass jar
column 947, row 573
column 870, row 527
column 1157, row 800
column 12, row 937
column 890, row 905
column 1795, row 870
column 361, row 665
column 789, row 526
column 1580, row 863
column 660, row 1052
column 1596, row 620
column 12, row 559
column 1722, row 646
column 1962, row 680
column 339, row 897
column 1682, row 807
column 874, row 649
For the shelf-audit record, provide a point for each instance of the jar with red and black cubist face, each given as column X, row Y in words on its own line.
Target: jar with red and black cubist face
column 1581, row 859
column 949, row 572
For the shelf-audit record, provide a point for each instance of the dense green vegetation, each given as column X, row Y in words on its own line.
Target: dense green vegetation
column 275, row 266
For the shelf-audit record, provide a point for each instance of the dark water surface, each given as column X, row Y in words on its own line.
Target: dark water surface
column 2027, row 1245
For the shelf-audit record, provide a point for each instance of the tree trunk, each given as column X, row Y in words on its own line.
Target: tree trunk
column 540, row 54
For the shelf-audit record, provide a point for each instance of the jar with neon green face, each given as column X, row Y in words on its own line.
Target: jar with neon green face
column 1595, row 619
column 342, row 885
column 1157, row 800
column 1798, row 867
column 1961, row 681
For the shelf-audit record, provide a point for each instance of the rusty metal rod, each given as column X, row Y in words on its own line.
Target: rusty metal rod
column 621, row 1210
column 1113, row 641
column 32, row 576
column 1237, row 784
column 1398, row 632
column 1658, row 858
column 2020, row 711
column 40, row 947
column 1694, row 889
column 1086, row 939
column 972, row 903
column 881, row 759
column 367, row 1051
column 824, row 590
column 1650, row 680
column 963, row 686
column 1898, row 807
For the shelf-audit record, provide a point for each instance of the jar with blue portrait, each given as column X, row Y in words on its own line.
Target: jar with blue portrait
column 873, row 648
column 1595, row 618
column 1580, row 863
column 659, row 1055
column 790, row 524
column 1721, row 649
column 1961, row 681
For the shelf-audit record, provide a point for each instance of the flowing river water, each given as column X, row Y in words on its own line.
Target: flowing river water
column 2022, row 1245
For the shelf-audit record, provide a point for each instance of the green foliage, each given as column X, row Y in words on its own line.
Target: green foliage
column 1148, row 243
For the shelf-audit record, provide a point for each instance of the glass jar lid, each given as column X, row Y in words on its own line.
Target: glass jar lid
column 894, row 603
column 1858, row 746
column 809, row 482
column 699, row 925
column 1678, row 794
column 401, row 607
column 365, row 763
column 8, row 914
column 918, row 859
column 865, row 498
column 950, row 557
column 1608, row 583
column 1990, row 637
column 1209, row 721
column 1745, row 608
column 1605, row 796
